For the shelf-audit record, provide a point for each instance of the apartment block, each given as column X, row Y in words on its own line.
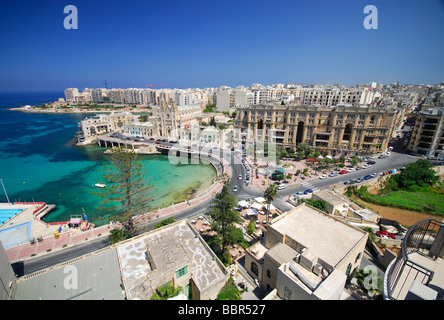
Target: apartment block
column 345, row 129
column 428, row 134
column 307, row 255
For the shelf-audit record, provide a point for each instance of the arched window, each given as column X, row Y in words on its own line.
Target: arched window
column 254, row 268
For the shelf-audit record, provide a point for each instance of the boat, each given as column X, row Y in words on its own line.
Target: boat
column 100, row 185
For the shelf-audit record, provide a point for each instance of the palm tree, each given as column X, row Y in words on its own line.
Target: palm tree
column 270, row 194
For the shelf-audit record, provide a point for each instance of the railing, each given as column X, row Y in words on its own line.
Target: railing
column 422, row 238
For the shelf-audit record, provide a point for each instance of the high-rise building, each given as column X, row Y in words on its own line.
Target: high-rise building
column 71, row 94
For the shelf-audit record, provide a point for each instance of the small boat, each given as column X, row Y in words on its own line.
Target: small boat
column 100, row 185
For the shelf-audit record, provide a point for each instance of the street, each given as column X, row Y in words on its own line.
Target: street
column 396, row 160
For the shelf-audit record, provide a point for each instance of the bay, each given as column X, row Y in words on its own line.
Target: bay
column 39, row 161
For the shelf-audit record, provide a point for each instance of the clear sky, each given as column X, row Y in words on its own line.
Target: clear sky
column 188, row 43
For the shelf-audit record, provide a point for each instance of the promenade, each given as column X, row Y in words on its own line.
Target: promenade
column 69, row 238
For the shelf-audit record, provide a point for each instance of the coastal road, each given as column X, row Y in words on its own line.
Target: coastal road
column 396, row 160
column 48, row 260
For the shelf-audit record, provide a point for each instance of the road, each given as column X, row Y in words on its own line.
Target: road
column 396, row 160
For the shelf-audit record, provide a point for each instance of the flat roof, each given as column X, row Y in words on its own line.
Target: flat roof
column 328, row 238
column 168, row 249
column 97, row 274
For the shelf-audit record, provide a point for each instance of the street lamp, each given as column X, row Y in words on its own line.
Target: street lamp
column 1, row 180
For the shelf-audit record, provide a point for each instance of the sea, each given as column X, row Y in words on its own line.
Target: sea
column 40, row 162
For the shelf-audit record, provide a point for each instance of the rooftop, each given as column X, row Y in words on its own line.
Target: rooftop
column 95, row 276
column 327, row 237
column 150, row 260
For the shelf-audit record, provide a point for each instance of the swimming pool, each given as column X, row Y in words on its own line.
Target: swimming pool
column 6, row 214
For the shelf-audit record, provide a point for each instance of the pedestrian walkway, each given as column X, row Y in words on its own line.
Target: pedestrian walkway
column 308, row 185
column 52, row 243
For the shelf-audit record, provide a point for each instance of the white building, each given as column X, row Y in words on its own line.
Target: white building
column 140, row 129
column 71, row 94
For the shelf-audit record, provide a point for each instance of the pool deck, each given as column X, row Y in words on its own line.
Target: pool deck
column 38, row 227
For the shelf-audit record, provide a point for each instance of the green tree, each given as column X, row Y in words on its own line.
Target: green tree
column 128, row 189
column 419, row 173
column 224, row 217
column 251, row 227
column 213, row 122
column 166, row 291
column 270, row 194
column 164, row 222
column 229, row 291
column 305, row 148
column 115, row 236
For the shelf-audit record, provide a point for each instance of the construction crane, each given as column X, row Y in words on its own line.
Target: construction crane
column 106, row 84
column 156, row 85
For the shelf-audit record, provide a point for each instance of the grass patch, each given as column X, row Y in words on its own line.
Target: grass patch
column 417, row 201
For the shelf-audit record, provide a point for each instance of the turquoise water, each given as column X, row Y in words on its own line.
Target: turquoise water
column 40, row 162
column 6, row 214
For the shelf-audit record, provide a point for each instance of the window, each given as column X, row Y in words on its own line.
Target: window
column 181, row 272
column 287, row 294
column 254, row 268
column 268, row 274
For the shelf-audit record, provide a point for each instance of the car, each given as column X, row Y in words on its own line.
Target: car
column 371, row 162
column 235, row 188
column 308, row 191
column 383, row 156
column 359, row 180
column 387, row 234
column 374, row 174
column 332, row 174
column 351, row 169
column 247, row 181
column 323, row 176
column 281, row 186
column 239, row 177
column 343, row 172
column 299, row 193
column 366, row 166
column 369, row 176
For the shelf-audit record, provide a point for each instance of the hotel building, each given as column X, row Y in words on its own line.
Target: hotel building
column 345, row 129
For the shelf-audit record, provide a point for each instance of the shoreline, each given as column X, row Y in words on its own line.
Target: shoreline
column 72, row 110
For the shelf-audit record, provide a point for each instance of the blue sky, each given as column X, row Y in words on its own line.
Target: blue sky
column 191, row 43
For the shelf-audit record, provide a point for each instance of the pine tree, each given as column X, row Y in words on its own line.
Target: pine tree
column 224, row 217
column 128, row 189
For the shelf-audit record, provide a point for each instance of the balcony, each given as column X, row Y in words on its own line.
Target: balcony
column 418, row 271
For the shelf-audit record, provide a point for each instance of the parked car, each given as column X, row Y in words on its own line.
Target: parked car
column 308, row 191
column 235, row 188
column 374, row 174
column 323, row 176
column 343, row 172
column 349, row 182
column 299, row 193
column 383, row 156
column 371, row 162
column 385, row 233
column 281, row 186
column 366, row 166
column 369, row 176
column 359, row 180
column 351, row 169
